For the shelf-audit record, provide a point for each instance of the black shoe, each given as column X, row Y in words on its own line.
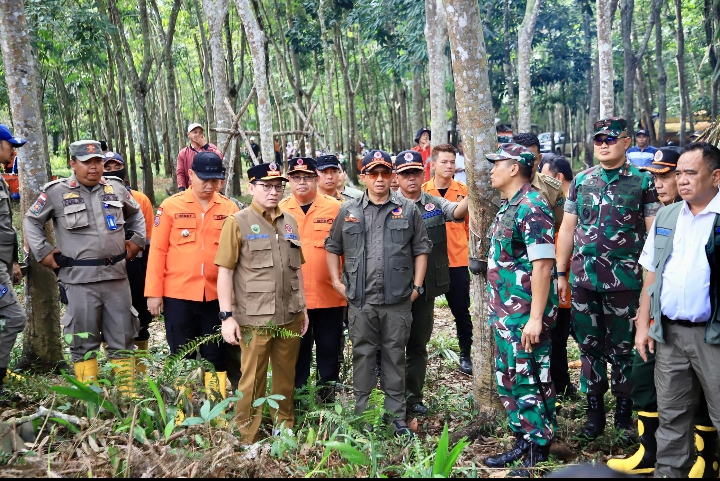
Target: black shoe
column 418, row 408
column 466, row 365
column 595, row 424
column 520, row 448
column 623, row 420
column 401, row 429
column 567, row 393
column 536, row 454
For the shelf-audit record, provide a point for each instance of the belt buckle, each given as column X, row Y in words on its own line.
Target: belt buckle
column 109, row 261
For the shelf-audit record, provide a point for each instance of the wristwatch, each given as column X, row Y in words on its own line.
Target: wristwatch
column 420, row 289
column 222, row 315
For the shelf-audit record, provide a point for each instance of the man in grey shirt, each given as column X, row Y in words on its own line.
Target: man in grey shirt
column 385, row 245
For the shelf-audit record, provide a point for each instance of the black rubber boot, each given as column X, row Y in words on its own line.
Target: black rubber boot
column 623, row 419
column 643, row 461
column 706, row 442
column 536, row 454
column 519, row 449
column 595, row 424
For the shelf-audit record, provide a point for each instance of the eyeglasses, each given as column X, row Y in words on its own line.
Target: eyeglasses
column 269, row 187
column 375, row 175
column 301, row 178
column 607, row 140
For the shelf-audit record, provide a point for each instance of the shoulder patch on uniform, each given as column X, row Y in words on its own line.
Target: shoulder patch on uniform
column 551, row 181
column 57, row 181
column 39, row 204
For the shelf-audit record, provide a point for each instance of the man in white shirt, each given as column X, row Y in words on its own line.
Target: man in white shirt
column 683, row 303
column 460, row 164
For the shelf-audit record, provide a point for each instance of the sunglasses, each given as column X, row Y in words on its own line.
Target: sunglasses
column 375, row 175
column 607, row 140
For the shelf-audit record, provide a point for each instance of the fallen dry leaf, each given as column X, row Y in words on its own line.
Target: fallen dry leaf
column 574, row 365
column 413, row 425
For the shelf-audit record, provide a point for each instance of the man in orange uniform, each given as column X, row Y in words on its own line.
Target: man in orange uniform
column 315, row 213
column 182, row 275
column 458, row 297
column 114, row 166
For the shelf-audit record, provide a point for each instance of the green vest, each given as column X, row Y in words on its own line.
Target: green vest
column 667, row 220
column 398, row 261
column 437, row 277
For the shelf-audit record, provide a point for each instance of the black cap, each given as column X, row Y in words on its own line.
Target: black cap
column 375, row 158
column 408, row 160
column 208, row 166
column 420, row 132
column 665, row 160
column 326, row 161
column 642, row 132
column 302, row 164
column 265, row 172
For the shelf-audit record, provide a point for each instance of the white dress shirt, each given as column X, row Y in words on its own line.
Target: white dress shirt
column 460, row 164
column 685, row 291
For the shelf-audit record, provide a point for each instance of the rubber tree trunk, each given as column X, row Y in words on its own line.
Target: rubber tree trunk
column 41, row 346
column 627, row 8
column 477, row 123
column 604, row 33
column 216, row 11
column 507, row 66
column 327, row 58
column 525, row 37
column 256, row 41
column 662, row 79
column 682, row 78
column 436, row 38
column 207, row 82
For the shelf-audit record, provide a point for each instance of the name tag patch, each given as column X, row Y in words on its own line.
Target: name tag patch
column 258, row 236
column 108, row 197
column 432, row 213
column 219, row 217
column 323, row 221
column 291, row 236
column 73, row 201
column 184, row 216
column 663, row 231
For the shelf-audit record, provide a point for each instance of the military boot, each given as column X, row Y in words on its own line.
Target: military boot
column 623, row 419
column 519, row 449
column 643, row 461
column 141, row 354
column 595, row 424
column 466, row 366
column 706, row 442
column 87, row 371
column 536, row 454
column 124, row 372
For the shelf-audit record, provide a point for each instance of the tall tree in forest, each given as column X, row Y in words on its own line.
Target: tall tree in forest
column 140, row 82
column 661, row 76
column 327, row 58
column 477, row 123
column 256, row 41
column 682, row 78
column 215, row 11
column 436, row 38
column 41, row 347
column 605, row 14
column 525, row 37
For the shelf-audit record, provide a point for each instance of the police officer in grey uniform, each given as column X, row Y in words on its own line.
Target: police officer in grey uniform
column 385, row 245
column 90, row 214
column 10, row 309
column 435, row 211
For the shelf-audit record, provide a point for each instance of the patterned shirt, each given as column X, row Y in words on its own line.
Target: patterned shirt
column 611, row 206
column 523, row 231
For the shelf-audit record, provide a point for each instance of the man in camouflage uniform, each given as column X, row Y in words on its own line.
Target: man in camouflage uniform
column 609, row 209
column 523, row 307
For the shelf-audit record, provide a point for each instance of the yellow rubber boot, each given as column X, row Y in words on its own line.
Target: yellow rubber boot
column 706, row 442
column 124, row 372
column 141, row 354
column 643, row 461
column 87, row 371
column 216, row 383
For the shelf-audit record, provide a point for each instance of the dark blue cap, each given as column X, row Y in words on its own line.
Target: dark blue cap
column 269, row 171
column 208, row 166
column 408, row 160
column 108, row 156
column 6, row 135
column 375, row 158
column 326, row 161
column 302, row 164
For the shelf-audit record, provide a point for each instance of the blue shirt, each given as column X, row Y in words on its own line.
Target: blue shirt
column 641, row 158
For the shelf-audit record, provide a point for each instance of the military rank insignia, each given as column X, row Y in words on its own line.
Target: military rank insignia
column 39, row 204
column 71, row 195
column 108, row 189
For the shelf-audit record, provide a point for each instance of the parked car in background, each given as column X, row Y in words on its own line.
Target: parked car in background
column 571, row 149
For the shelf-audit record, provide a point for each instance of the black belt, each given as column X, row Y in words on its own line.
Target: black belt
column 64, row 261
column 682, row 322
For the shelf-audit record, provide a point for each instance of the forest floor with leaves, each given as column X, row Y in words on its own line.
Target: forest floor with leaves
column 86, row 433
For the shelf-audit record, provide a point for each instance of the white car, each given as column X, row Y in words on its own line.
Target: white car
column 571, row 148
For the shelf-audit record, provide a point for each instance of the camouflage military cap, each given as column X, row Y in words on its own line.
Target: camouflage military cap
column 515, row 152
column 614, row 127
column 85, row 150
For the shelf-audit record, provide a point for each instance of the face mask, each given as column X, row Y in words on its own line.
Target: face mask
column 118, row 173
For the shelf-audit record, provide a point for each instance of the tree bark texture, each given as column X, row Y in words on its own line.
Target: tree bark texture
column 436, row 34
column 327, row 58
column 477, row 123
column 662, row 79
column 204, row 49
column 524, row 52
column 216, row 11
column 256, row 40
column 41, row 347
column 682, row 77
column 604, row 33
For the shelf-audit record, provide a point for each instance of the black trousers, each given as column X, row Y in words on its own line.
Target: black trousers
column 325, row 331
column 558, row 354
column 458, row 298
column 136, row 270
column 188, row 320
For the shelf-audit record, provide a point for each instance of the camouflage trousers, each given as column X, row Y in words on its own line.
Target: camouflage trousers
column 518, row 390
column 605, row 331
